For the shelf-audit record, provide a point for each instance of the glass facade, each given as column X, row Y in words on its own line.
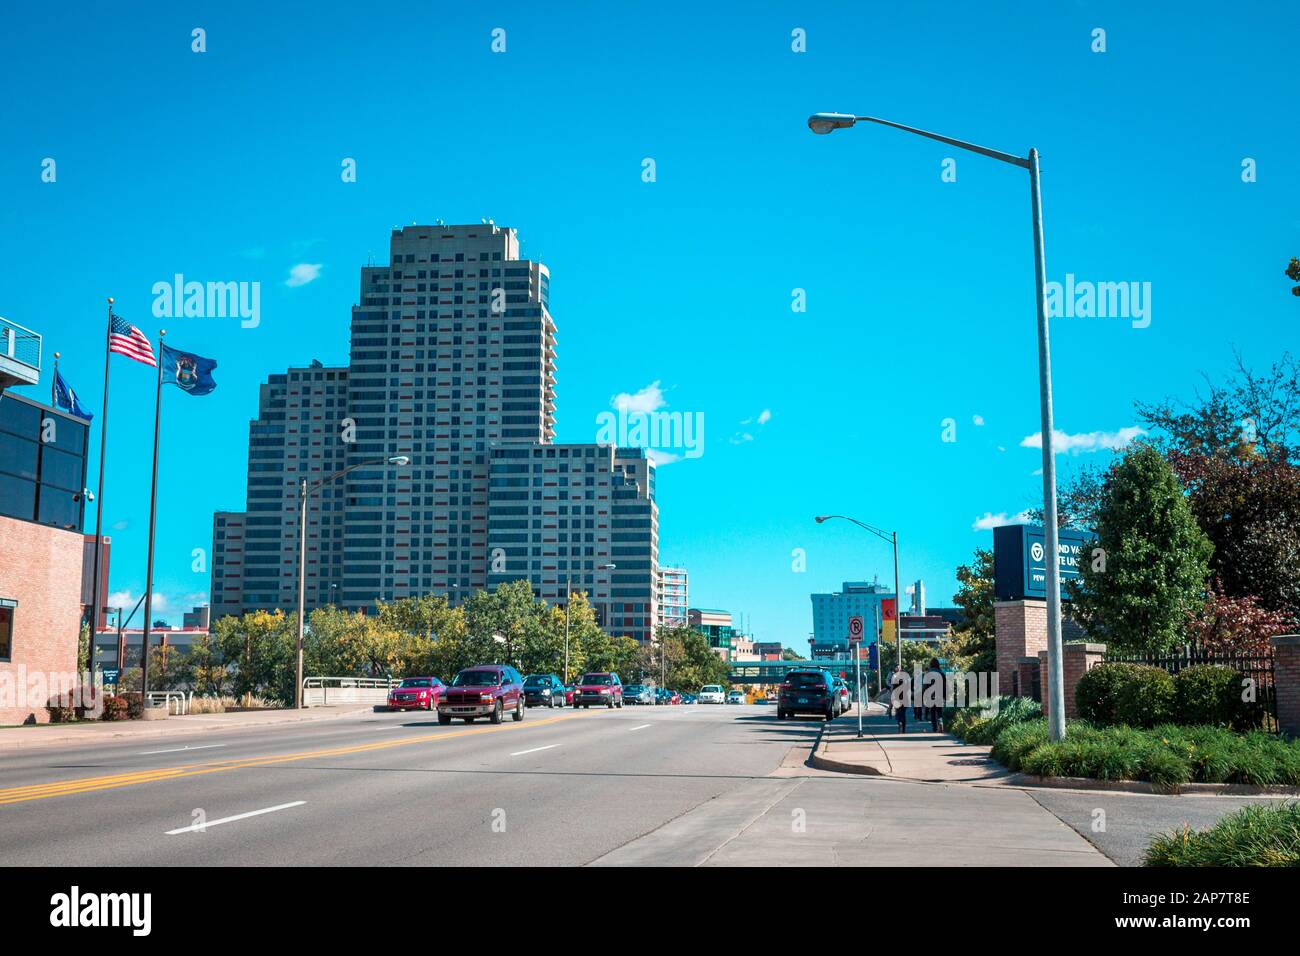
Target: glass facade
column 42, row 464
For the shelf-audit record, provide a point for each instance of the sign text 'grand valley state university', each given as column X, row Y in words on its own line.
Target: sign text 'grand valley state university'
column 1020, row 560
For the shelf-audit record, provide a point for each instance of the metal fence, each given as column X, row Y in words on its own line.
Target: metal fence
column 1255, row 667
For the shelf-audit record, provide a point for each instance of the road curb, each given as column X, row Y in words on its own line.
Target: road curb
column 44, row 739
column 820, row 761
column 1142, row 786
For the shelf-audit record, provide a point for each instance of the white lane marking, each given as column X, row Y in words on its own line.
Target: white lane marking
column 176, row 750
column 520, row 753
column 642, row 727
column 200, row 827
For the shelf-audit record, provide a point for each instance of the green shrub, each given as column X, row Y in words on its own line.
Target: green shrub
column 1209, row 694
column 981, row 725
column 1096, row 696
column 134, row 705
column 1017, row 741
column 1146, row 698
column 1255, row 835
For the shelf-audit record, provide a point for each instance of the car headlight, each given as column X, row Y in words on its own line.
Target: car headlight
column 485, row 698
column 546, row 692
column 604, row 690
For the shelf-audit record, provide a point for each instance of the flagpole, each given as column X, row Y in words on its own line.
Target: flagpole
column 54, row 390
column 99, row 494
column 153, row 517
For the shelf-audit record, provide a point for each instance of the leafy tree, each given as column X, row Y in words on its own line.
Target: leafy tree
column 260, row 648
column 1293, row 273
column 1227, row 623
column 790, row 654
column 1236, row 449
column 1156, row 558
column 207, row 672
column 972, row 646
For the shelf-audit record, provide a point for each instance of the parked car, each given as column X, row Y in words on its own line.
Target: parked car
column 735, row 697
column 569, row 690
column 807, row 692
column 638, row 694
column 713, row 694
column 488, row 690
column 672, row 697
column 844, row 695
column 543, row 690
column 600, row 688
column 416, row 693
column 688, row 698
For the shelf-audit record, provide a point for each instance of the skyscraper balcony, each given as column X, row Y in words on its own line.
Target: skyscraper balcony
column 20, row 355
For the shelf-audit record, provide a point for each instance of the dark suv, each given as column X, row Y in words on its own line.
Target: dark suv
column 489, row 690
column 603, row 689
column 543, row 690
column 807, row 692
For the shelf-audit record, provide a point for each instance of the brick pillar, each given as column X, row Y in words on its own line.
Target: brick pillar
column 1286, row 677
column 1020, row 630
column 1076, row 660
column 1027, row 680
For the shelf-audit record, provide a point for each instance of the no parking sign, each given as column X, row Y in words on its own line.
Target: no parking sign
column 855, row 629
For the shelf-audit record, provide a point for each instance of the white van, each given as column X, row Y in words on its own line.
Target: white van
column 712, row 694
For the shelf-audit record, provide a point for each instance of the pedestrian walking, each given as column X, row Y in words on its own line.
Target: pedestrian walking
column 934, row 694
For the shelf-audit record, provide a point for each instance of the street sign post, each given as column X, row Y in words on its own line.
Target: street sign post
column 855, row 639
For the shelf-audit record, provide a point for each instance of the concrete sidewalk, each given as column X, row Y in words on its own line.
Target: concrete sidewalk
column 89, row 732
column 920, row 754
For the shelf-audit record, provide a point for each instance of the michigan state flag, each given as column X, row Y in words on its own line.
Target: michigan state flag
column 192, row 373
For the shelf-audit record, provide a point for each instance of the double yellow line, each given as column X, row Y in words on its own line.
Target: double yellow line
column 66, row 788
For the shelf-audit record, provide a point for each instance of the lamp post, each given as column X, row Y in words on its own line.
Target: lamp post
column 823, row 123
column 568, row 599
column 304, row 491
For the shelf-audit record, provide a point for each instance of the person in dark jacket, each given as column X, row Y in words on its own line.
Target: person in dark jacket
column 934, row 695
column 898, row 698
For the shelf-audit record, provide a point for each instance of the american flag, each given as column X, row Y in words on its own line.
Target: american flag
column 125, row 339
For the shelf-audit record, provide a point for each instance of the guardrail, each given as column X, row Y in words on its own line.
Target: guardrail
column 179, row 700
column 321, row 691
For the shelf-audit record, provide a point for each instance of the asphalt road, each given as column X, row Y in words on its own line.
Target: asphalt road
column 686, row 785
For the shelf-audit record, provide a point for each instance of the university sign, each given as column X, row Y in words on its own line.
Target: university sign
column 1020, row 560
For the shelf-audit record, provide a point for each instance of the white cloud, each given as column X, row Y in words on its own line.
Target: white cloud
column 741, row 437
column 1085, row 441
column 120, row 525
column 765, row 416
column 977, row 419
column 661, row 458
column 649, row 399
column 303, row 273
column 990, row 521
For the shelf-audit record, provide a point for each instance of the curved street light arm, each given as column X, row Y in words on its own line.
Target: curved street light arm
column 1023, row 163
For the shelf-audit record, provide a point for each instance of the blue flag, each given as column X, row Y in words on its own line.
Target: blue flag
column 193, row 373
column 67, row 399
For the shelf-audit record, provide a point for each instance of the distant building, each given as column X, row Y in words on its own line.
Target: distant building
column 119, row 650
column 716, row 627
column 831, row 613
column 769, row 650
column 742, row 648
column 197, row 618
column 673, row 595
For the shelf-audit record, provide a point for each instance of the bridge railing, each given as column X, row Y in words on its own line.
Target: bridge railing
column 322, row 691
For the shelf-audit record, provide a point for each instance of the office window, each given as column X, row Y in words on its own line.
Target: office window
column 7, row 609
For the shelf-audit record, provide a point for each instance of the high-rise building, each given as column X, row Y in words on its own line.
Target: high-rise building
column 452, row 365
column 559, row 515
column 672, row 595
column 831, row 613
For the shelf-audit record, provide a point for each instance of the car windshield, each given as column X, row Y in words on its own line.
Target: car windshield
column 536, row 680
column 711, row 689
column 597, row 679
column 417, row 682
column 476, row 679
column 806, row 679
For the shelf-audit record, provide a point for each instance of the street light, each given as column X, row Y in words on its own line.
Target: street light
column 892, row 538
column 305, row 490
column 823, row 123
column 568, row 599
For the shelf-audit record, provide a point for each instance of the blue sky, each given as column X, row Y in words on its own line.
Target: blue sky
column 225, row 166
